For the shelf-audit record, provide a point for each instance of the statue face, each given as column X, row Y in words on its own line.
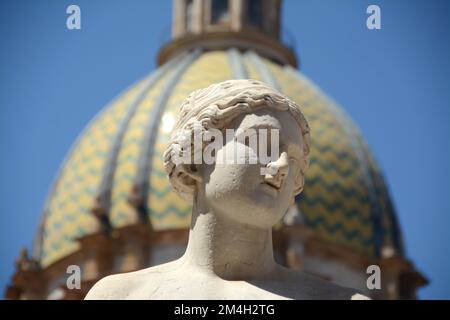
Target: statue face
column 240, row 191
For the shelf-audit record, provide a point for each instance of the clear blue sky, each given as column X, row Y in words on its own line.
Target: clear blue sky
column 393, row 82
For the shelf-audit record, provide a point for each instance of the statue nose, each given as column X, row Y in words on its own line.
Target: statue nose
column 278, row 170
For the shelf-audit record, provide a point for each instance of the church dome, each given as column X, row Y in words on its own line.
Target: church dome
column 114, row 175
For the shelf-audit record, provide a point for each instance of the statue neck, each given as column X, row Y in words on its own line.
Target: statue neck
column 226, row 248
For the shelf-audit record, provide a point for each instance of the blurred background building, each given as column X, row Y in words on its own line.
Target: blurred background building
column 111, row 208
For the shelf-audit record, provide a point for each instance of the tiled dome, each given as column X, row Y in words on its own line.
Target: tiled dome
column 115, row 169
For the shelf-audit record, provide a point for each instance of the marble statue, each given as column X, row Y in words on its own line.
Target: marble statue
column 235, row 203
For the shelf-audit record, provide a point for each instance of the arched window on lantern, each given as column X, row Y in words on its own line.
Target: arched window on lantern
column 189, row 15
column 220, row 11
column 254, row 13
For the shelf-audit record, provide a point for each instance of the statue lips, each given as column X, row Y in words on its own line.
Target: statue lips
column 272, row 186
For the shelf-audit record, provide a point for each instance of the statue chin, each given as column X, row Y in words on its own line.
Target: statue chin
column 259, row 208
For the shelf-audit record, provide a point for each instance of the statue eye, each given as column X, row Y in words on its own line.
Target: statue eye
column 249, row 138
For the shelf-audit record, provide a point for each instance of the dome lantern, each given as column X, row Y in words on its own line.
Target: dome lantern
column 222, row 24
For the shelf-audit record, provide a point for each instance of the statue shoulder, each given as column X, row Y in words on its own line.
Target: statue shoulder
column 308, row 286
column 127, row 285
column 332, row 291
column 117, row 286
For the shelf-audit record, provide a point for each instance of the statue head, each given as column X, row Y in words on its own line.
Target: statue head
column 228, row 121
